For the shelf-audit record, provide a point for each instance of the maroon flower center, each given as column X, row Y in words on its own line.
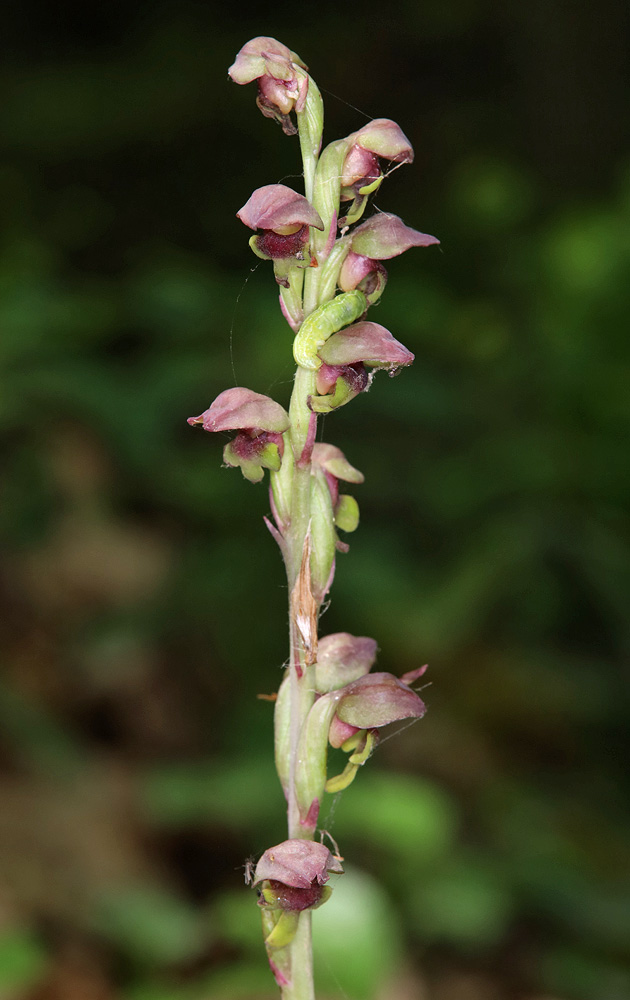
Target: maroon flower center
column 278, row 246
column 289, row 897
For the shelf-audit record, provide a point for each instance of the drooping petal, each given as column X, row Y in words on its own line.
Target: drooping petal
column 375, row 700
column 368, row 342
column 384, row 236
column 333, row 461
column 278, row 207
column 243, row 409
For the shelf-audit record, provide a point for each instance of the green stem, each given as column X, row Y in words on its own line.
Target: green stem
column 301, row 687
column 301, row 684
column 302, row 985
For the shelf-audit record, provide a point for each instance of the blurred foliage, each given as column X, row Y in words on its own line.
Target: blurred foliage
column 142, row 601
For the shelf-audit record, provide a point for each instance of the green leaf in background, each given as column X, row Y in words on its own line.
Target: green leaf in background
column 356, row 938
column 408, row 818
column 466, row 902
column 23, row 960
column 153, row 926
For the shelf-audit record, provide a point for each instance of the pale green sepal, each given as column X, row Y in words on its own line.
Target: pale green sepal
column 283, row 930
column 347, row 513
column 341, row 395
column 282, row 730
column 327, row 319
column 365, row 747
column 358, row 205
column 323, row 535
column 310, row 777
column 282, row 481
column 331, row 268
column 371, row 188
column 328, row 188
column 253, row 471
column 310, row 127
column 341, row 781
column 291, row 298
column 253, row 242
column 333, row 460
column 325, row 896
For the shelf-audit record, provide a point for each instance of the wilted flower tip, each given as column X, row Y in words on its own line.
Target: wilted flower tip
column 281, row 75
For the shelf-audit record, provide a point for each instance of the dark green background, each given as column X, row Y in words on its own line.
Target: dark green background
column 143, row 602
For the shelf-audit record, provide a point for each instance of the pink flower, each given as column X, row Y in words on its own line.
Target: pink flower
column 260, row 421
column 281, row 74
column 358, row 712
column 373, row 701
column 343, row 374
column 284, row 218
column 361, row 172
column 293, row 875
column 380, row 238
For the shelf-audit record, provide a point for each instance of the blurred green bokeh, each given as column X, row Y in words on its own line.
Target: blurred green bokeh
column 143, row 602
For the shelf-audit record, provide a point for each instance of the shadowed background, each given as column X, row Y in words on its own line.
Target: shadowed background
column 143, row 602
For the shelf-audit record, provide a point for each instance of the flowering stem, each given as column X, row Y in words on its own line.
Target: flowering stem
column 302, row 986
column 327, row 283
column 302, row 693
